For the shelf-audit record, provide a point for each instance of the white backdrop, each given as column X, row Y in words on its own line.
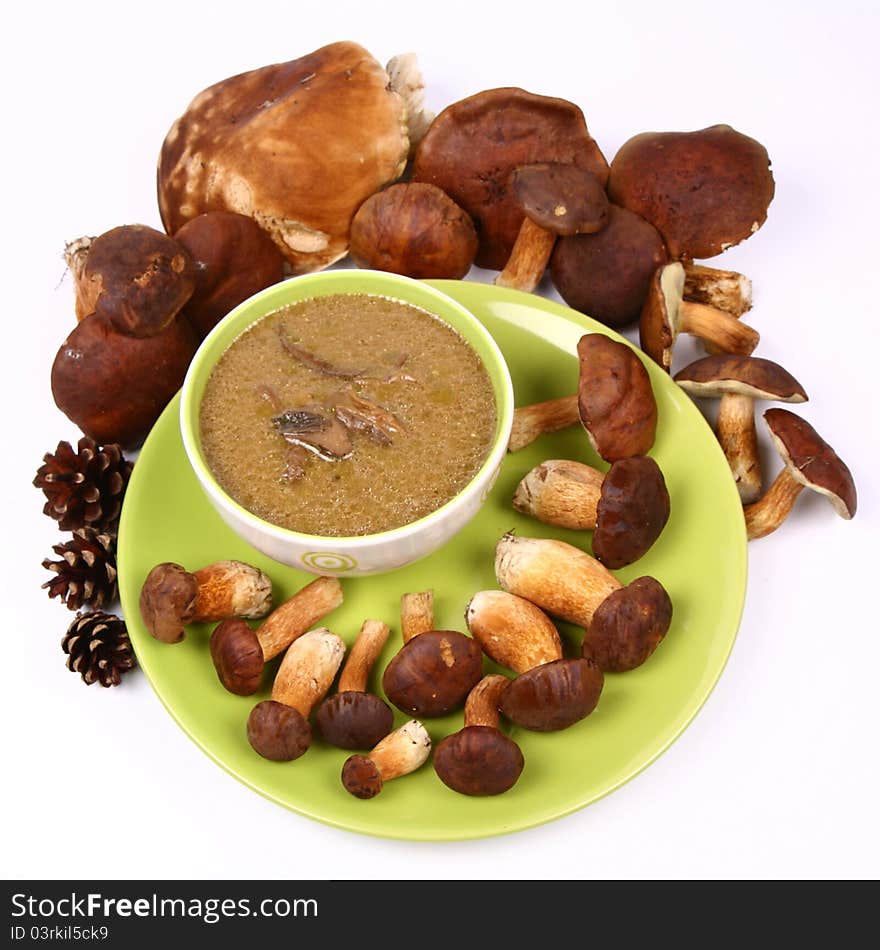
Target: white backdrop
column 778, row 775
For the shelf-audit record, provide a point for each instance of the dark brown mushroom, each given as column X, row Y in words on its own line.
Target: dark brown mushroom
column 809, row 462
column 472, row 147
column 399, row 753
column 704, row 191
column 479, row 759
column 606, row 275
column 361, row 415
column 553, row 696
column 317, row 430
column 557, row 199
column 352, row 718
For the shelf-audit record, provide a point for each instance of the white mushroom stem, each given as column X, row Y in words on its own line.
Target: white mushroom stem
column 766, row 515
column 416, row 614
column 735, row 428
column 231, row 589
column 512, row 631
column 401, row 751
column 363, row 656
column 307, row 670
column 405, row 78
column 528, row 260
column 561, row 492
column 291, row 620
column 724, row 289
column 539, row 418
column 717, row 327
column 481, row 706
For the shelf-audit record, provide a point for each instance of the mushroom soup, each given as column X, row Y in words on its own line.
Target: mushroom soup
column 346, row 415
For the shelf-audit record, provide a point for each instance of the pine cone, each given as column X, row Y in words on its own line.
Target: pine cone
column 98, row 648
column 86, row 487
column 86, row 575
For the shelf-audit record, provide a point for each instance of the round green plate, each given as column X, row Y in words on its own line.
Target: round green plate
column 700, row 558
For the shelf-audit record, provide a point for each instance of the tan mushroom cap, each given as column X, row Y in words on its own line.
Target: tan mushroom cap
column 741, row 375
column 811, row 460
column 473, row 146
column 297, row 146
column 704, row 191
column 561, row 198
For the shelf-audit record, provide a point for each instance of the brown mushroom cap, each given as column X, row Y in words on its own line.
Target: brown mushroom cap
column 433, row 673
column 553, row 696
column 658, row 324
column 297, row 146
column 615, row 399
column 606, row 275
column 704, row 191
column 472, row 147
column 561, row 198
column 238, row 657
column 742, row 375
column 361, row 777
column 233, row 258
column 811, row 460
column 278, row 732
column 354, row 720
column 633, row 509
column 478, row 760
column 628, row 626
column 167, row 601
column 414, row 229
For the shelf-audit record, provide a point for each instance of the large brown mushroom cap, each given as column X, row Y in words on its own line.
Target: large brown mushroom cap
column 297, row 146
column 704, row 191
column 472, row 147
column 478, row 760
column 237, row 656
column 633, row 509
column 354, row 720
column 615, row 399
column 742, row 375
column 561, row 198
column 278, row 732
column 606, row 275
column 553, row 696
column 167, row 601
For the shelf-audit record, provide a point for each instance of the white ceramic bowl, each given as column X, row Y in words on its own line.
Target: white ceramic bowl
column 365, row 554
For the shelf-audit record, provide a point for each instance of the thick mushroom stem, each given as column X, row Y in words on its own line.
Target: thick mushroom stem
column 399, row 753
column 307, row 671
column 231, row 589
column 512, row 631
column 561, row 492
column 552, row 415
column 363, row 656
column 724, row 289
column 405, row 78
column 765, row 516
column 735, row 428
column 717, row 327
column 416, row 614
column 482, row 705
column 529, row 258
column 292, row 618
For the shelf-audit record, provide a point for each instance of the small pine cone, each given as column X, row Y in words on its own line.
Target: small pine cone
column 85, row 487
column 98, row 648
column 86, row 574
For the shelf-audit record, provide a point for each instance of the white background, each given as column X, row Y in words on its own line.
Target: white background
column 778, row 775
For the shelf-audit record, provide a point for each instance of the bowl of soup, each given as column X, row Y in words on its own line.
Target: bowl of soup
column 347, row 422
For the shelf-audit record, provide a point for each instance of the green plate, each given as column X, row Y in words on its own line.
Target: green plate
column 700, row 558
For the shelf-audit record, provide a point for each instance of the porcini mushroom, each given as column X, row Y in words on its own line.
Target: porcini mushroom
column 723, row 289
column 539, row 418
column 473, row 145
column 704, row 191
column 606, row 275
column 352, row 718
column 550, row 692
column 240, row 653
column 479, row 759
column 809, row 462
column 434, row 670
column 414, row 229
column 403, row 751
column 569, row 584
column 628, row 506
column 278, row 728
column 666, row 314
column 557, row 199
column 739, row 381
column 172, row 597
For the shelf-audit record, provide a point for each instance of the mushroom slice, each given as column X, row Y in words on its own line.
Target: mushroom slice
column 361, row 415
column 315, row 429
column 315, row 362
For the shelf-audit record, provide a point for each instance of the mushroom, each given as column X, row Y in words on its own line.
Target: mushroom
column 434, row 670
column 704, row 191
column 240, row 654
column 628, row 507
column 550, row 692
column 361, row 415
column 278, row 728
column 473, row 145
column 352, row 718
column 414, row 229
column 557, row 199
column 233, row 258
column 723, row 289
column 297, row 146
column 479, row 759
column 666, row 314
column 317, row 430
column 739, row 381
column 135, row 278
column 564, row 581
column 172, row 597
column 809, row 462
column 403, row 751
column 606, row 275
column 540, row 418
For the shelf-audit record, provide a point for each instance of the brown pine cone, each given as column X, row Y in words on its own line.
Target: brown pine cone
column 85, row 487
column 98, row 648
column 86, row 574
